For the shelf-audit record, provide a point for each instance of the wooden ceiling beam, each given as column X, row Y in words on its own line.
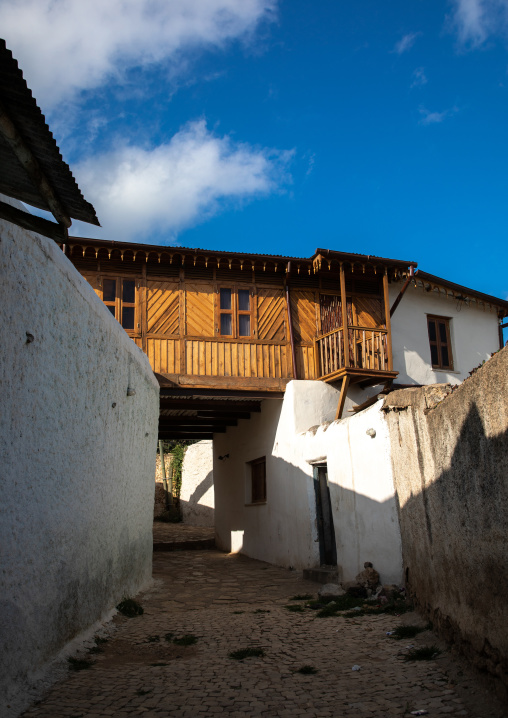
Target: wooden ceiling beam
column 214, row 405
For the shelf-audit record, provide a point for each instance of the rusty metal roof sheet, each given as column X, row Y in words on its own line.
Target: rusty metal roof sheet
column 22, row 109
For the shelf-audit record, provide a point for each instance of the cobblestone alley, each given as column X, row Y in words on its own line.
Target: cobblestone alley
column 231, row 603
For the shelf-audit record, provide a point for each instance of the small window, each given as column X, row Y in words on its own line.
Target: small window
column 440, row 344
column 119, row 295
column 235, row 312
column 258, row 480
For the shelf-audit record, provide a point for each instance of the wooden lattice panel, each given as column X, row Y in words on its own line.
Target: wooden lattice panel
column 303, row 308
column 367, row 312
column 199, row 309
column 163, row 308
column 271, row 314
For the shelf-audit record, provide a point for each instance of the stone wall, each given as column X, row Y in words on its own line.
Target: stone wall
column 450, row 466
column 197, row 492
column 77, row 459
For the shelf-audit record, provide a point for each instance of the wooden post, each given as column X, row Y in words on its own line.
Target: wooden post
column 345, row 328
column 182, row 325
column 317, row 372
column 143, row 306
column 342, row 397
column 387, row 320
column 290, row 323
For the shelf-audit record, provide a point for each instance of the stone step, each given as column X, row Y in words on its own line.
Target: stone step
column 190, row 545
column 322, row 574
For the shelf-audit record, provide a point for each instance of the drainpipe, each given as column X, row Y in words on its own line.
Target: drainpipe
column 401, row 293
column 290, row 322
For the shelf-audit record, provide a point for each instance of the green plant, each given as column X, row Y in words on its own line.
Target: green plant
column 130, row 608
column 301, row 597
column 425, row 653
column 142, row 692
column 246, row 653
column 168, row 636
column 401, row 632
column 187, row 640
column 262, row 610
column 153, row 639
column 79, row 664
column 307, row 670
column 295, row 607
column 158, row 664
column 340, row 603
column 238, row 612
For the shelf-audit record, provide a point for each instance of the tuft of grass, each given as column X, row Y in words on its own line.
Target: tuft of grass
column 142, row 692
column 262, row 610
column 397, row 607
column 79, row 664
column 307, row 670
column 153, row 639
column 341, row 603
column 169, row 636
column 130, row 608
column 158, row 664
column 301, row 597
column 410, row 631
column 187, row 640
column 246, row 653
column 425, row 653
column 237, row 613
column 295, row 607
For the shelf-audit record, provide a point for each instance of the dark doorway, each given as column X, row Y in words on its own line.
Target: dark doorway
column 324, row 516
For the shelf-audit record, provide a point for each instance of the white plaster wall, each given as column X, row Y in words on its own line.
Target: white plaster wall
column 283, row 531
column 76, row 458
column 196, row 494
column 474, row 336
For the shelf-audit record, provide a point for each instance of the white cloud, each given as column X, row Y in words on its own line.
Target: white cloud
column 406, row 43
column 140, row 192
column 419, row 77
column 476, row 20
column 65, row 46
column 433, row 118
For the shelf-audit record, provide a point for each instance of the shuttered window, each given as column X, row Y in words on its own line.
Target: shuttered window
column 440, row 344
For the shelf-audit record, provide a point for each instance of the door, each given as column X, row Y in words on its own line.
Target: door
column 324, row 517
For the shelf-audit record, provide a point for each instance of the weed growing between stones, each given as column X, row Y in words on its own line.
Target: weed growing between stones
column 401, row 632
column 246, row 653
column 295, row 607
column 79, row 664
column 153, row 639
column 187, row 640
column 142, row 692
column 155, row 665
column 262, row 610
column 130, row 608
column 307, row 670
column 425, row 653
column 301, row 597
column 169, row 636
column 237, row 613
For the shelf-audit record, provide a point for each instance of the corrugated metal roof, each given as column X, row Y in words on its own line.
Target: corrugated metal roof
column 23, row 111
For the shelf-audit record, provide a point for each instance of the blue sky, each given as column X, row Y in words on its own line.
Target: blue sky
column 278, row 127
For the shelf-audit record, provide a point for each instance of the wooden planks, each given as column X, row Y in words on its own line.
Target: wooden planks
column 164, row 355
column 303, row 306
column 271, row 314
column 236, row 359
column 199, row 309
column 367, row 312
column 162, row 307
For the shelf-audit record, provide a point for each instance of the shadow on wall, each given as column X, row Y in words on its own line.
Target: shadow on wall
column 193, row 512
column 454, row 539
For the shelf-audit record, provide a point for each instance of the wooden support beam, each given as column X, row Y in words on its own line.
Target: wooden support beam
column 216, row 406
column 343, row 301
column 34, row 224
column 31, row 166
column 387, row 320
column 290, row 325
column 185, row 436
column 342, row 397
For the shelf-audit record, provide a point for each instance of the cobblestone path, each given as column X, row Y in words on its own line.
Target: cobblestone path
column 231, row 603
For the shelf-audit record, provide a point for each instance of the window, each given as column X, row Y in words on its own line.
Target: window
column 119, row 295
column 235, row 312
column 258, row 481
column 440, row 344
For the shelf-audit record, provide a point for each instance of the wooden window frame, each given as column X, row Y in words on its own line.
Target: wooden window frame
column 236, row 312
column 439, row 344
column 257, row 492
column 119, row 304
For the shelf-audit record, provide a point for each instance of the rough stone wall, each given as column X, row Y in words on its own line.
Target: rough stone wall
column 76, row 458
column 450, row 465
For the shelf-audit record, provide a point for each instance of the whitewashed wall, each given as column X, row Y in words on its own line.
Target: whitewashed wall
column 196, row 494
column 77, row 458
column 283, row 531
column 474, row 336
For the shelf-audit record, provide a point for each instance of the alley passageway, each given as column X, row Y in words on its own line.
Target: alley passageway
column 228, row 603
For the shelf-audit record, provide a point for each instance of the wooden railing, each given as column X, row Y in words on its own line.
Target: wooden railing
column 367, row 349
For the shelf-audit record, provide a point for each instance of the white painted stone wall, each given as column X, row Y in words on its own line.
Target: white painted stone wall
column 196, row 494
column 77, row 459
column 474, row 336
column 283, row 531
